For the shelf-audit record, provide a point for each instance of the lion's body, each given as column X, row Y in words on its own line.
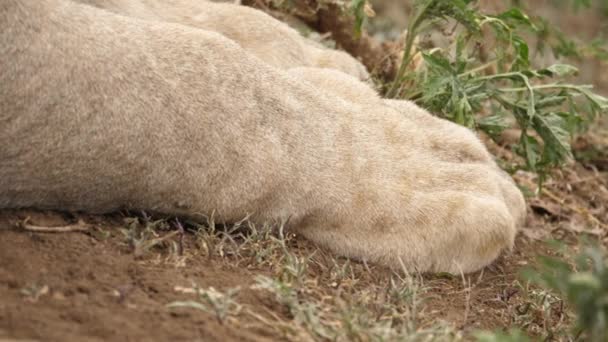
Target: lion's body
column 101, row 111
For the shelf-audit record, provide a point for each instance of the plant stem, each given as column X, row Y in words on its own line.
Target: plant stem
column 409, row 43
column 547, row 86
column 478, row 69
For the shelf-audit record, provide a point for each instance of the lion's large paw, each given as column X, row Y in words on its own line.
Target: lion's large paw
column 425, row 194
column 462, row 158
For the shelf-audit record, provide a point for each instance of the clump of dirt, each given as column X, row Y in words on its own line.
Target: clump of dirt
column 90, row 286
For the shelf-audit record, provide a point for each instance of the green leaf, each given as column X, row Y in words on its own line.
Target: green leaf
column 559, row 70
column 438, row 63
column 515, row 15
column 530, row 149
column 553, row 129
column 459, row 10
column 573, row 121
column 550, row 101
column 522, row 60
column 493, row 124
column 464, row 115
column 598, row 100
column 358, row 9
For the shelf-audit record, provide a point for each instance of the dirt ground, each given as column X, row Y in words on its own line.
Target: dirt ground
column 85, row 287
column 81, row 287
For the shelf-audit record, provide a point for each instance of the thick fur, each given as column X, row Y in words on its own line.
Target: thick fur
column 258, row 33
column 101, row 111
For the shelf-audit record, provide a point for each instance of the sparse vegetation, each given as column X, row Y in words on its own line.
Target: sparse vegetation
column 584, row 283
column 349, row 312
column 210, row 300
column 142, row 237
column 485, row 78
column 335, row 300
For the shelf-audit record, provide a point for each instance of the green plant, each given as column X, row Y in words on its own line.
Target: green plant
column 584, row 284
column 222, row 305
column 143, row 237
column 497, row 89
column 361, row 11
column 376, row 312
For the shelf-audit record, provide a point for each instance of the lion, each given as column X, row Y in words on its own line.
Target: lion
column 101, row 111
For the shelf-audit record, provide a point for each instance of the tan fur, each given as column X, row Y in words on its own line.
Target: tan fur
column 100, row 111
column 337, row 83
column 265, row 37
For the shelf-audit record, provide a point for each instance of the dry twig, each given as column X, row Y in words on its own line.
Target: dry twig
column 80, row 226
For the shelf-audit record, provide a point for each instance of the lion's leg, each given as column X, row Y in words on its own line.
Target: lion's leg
column 100, row 112
column 269, row 39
